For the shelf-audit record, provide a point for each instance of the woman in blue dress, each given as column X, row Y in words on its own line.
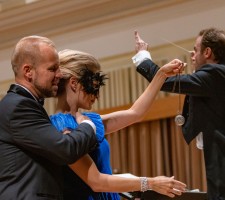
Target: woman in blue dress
column 79, row 88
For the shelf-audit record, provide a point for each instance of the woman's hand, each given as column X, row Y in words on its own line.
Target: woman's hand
column 166, row 185
column 173, row 67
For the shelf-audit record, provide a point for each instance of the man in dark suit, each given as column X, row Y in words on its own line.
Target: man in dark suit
column 204, row 106
column 32, row 151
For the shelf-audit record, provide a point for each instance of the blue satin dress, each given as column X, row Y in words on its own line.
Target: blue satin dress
column 74, row 187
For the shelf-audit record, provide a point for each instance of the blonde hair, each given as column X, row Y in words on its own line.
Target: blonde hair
column 71, row 62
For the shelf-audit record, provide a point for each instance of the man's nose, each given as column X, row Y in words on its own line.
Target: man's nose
column 192, row 53
column 58, row 74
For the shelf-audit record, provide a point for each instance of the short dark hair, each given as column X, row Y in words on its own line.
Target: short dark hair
column 215, row 39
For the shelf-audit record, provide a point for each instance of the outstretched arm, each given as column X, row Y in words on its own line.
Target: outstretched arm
column 86, row 169
column 120, row 119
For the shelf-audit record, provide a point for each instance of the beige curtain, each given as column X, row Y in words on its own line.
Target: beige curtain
column 155, row 148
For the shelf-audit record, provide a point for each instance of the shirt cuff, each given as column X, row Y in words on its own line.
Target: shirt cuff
column 140, row 57
column 90, row 123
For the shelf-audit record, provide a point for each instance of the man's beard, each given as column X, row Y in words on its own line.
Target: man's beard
column 44, row 92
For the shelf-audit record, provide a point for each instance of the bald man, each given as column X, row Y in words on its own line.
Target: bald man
column 32, row 150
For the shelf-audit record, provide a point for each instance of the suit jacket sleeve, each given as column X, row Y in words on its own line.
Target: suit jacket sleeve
column 32, row 131
column 200, row 83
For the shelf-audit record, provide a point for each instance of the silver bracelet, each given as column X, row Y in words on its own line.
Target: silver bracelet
column 144, row 184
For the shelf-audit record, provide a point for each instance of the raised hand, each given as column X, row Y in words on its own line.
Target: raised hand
column 139, row 43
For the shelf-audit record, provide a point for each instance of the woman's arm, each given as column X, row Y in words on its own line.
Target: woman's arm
column 120, row 119
column 86, row 169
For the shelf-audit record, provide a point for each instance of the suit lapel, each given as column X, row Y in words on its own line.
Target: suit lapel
column 21, row 91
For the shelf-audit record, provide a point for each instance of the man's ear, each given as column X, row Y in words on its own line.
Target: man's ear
column 208, row 53
column 27, row 71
